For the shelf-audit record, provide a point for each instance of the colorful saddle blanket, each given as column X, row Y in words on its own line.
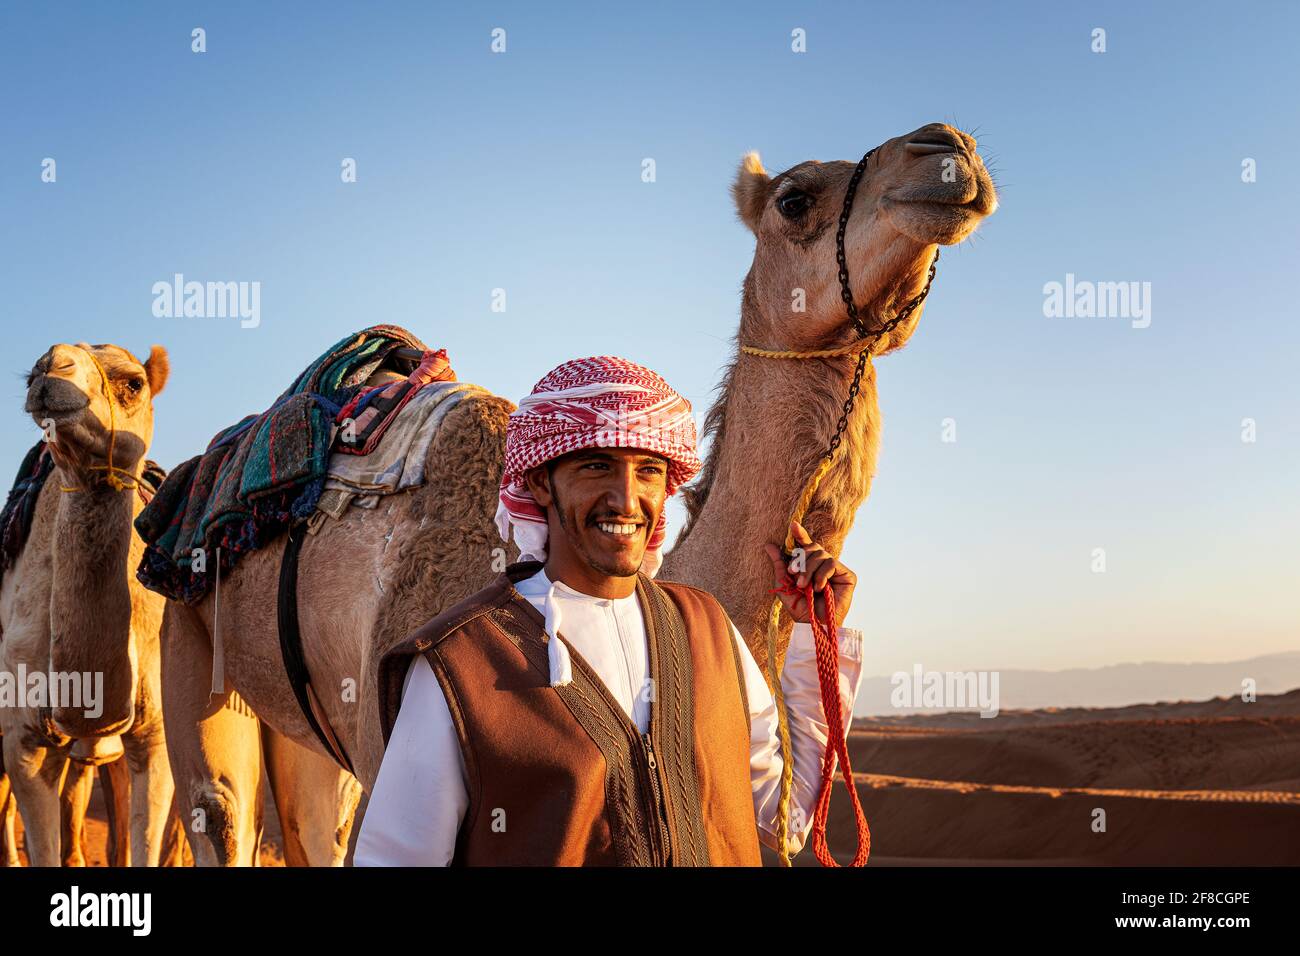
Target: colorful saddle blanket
column 259, row 475
column 20, row 506
column 368, row 416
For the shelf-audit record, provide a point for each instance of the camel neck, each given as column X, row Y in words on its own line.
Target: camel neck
column 91, row 603
column 778, row 421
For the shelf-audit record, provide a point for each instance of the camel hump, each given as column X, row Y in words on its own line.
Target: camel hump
column 396, row 661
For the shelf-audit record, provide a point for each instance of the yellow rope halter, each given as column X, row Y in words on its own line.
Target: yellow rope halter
column 110, row 470
column 853, row 348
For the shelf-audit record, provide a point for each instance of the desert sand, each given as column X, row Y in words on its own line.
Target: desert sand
column 1208, row 783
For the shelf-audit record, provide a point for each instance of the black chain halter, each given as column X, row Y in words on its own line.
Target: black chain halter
column 846, row 293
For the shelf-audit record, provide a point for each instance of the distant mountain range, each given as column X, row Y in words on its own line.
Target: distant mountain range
column 1117, row 685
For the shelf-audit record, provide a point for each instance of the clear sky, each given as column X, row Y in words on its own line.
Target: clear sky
column 522, row 171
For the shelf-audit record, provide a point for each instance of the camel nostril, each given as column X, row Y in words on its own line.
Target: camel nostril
column 928, row 149
column 935, row 139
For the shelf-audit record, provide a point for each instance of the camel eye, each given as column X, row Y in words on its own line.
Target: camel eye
column 134, row 385
column 794, row 203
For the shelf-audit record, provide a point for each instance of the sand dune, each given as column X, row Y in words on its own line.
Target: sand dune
column 1234, row 753
column 1211, row 783
column 1190, row 783
column 920, row 820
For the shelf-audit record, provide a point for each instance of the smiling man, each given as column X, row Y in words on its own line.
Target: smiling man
column 577, row 711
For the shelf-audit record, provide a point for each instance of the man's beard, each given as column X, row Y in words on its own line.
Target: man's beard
column 595, row 563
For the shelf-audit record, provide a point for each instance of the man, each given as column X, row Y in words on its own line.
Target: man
column 576, row 711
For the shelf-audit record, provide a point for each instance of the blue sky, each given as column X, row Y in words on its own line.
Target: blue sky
column 522, row 171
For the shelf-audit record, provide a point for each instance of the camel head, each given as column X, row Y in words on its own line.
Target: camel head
column 920, row 190
column 82, row 394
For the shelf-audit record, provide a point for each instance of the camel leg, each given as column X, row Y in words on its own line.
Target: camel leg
column 8, row 812
column 216, row 763
column 315, row 799
column 74, row 801
column 86, row 754
column 115, row 782
column 175, row 848
column 152, row 788
column 36, row 772
column 213, row 745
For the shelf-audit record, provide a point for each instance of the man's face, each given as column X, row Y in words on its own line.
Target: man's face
column 605, row 502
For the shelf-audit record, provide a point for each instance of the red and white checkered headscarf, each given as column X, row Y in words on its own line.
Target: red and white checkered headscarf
column 598, row 402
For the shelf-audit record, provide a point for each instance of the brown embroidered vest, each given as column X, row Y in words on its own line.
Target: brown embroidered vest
column 560, row 776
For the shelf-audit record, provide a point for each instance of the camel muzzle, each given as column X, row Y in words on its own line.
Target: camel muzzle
column 54, row 396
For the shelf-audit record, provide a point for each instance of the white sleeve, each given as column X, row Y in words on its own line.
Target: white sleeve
column 808, row 728
column 420, row 796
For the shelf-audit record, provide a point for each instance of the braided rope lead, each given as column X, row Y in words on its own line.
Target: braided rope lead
column 774, row 666
column 867, row 338
column 783, row 729
column 826, row 642
column 110, row 470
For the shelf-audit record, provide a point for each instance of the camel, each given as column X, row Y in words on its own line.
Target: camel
column 744, row 495
column 370, row 578
column 70, row 605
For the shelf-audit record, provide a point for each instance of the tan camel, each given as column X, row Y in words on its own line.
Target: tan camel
column 919, row 191
column 365, row 581
column 369, row 579
column 70, row 606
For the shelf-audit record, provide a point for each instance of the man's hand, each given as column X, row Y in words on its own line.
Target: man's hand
column 819, row 567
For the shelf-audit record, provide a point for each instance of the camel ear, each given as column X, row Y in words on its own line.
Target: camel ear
column 157, row 369
column 750, row 190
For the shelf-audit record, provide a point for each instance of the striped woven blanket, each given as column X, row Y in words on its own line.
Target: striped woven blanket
column 257, row 476
column 20, row 506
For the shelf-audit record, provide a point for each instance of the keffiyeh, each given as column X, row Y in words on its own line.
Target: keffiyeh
column 597, row 402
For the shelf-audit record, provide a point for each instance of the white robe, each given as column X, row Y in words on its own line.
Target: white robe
column 420, row 797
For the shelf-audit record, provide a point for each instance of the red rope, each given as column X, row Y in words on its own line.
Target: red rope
column 826, row 643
